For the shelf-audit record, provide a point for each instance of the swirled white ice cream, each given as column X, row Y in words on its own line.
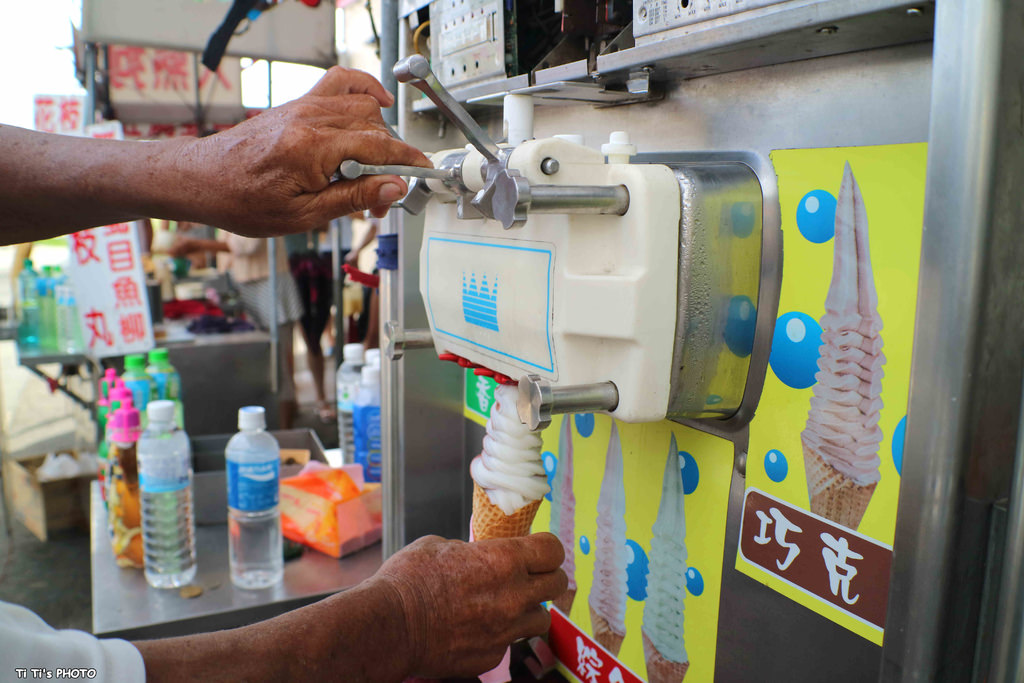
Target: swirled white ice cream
column 608, row 594
column 666, row 582
column 510, row 468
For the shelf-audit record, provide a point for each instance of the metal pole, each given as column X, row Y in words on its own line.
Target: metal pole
column 90, row 83
column 581, row 199
column 337, row 228
column 965, row 400
column 389, row 296
column 275, row 340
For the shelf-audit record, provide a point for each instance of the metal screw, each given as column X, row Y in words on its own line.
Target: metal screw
column 549, row 166
column 828, row 30
column 915, row 12
column 643, row 12
column 741, row 463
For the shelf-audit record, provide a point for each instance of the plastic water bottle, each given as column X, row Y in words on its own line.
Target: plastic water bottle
column 373, row 357
column 165, row 483
column 166, row 382
column 69, row 329
column 348, row 379
column 47, row 309
column 28, row 306
column 367, row 423
column 255, row 543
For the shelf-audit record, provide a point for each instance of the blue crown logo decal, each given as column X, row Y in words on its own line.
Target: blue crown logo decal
column 480, row 303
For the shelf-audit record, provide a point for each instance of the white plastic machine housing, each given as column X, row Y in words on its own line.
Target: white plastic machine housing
column 572, row 298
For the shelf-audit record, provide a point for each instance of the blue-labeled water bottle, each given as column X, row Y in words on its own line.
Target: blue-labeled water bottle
column 47, row 309
column 166, row 382
column 165, row 483
column 253, row 457
column 138, row 380
column 366, row 418
column 28, row 307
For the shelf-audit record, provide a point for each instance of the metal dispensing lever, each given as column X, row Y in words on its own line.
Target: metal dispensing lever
column 353, row 169
column 415, row 71
column 539, row 400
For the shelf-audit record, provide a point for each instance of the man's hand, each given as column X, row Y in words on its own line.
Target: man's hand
column 272, row 173
column 465, row 603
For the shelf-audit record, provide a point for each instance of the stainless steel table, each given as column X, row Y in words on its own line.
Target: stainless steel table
column 125, row 606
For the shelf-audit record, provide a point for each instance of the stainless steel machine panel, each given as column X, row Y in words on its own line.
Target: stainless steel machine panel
column 468, row 40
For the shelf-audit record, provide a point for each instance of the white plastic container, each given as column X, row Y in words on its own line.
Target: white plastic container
column 373, row 357
column 254, row 520
column 347, row 384
column 367, row 423
column 165, row 486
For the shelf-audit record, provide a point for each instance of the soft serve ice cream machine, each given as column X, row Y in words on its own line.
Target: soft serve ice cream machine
column 594, row 283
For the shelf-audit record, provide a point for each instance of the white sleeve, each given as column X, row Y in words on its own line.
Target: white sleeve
column 27, row 642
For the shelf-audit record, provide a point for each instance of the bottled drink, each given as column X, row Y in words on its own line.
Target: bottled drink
column 166, row 382
column 367, row 423
column 28, row 307
column 373, row 357
column 69, row 330
column 254, row 521
column 47, row 310
column 123, row 505
column 136, row 379
column 348, row 379
column 165, row 483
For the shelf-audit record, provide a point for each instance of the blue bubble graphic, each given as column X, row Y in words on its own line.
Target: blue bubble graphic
column 690, row 473
column 550, row 467
column 898, row 437
column 636, row 571
column 775, row 465
column 794, row 356
column 584, row 424
column 742, row 215
column 694, row 582
column 816, row 216
column 584, row 545
column 714, row 400
column 739, row 325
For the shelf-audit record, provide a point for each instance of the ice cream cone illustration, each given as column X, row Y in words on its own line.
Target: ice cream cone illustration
column 842, row 435
column 664, row 646
column 563, row 513
column 608, row 593
column 508, row 476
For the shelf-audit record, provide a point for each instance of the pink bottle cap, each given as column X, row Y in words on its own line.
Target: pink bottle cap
column 124, row 425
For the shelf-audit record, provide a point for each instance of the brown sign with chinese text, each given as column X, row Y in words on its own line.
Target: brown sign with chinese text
column 830, row 562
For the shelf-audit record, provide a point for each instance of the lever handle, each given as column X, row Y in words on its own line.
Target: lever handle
column 415, row 71
column 352, row 169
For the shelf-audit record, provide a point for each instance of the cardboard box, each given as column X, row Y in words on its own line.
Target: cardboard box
column 45, row 506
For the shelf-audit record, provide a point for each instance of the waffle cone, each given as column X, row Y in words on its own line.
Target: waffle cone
column 489, row 521
column 659, row 669
column 832, row 494
column 564, row 601
column 603, row 633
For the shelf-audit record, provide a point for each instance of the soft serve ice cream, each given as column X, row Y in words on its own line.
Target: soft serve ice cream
column 842, row 435
column 508, row 475
column 608, row 594
column 664, row 645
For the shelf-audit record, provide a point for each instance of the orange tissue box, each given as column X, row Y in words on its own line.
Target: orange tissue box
column 327, row 510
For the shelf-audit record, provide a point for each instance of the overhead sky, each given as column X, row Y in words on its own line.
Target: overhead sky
column 36, row 58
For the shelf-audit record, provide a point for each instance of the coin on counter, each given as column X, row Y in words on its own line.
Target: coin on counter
column 190, row 591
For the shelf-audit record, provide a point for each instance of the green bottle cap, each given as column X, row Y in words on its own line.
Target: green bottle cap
column 27, row 263
column 135, row 361
column 159, row 357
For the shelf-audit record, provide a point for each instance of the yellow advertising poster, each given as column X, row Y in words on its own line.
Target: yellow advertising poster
column 826, row 445
column 641, row 510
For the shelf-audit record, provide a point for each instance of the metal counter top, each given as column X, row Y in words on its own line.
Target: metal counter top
column 125, row 606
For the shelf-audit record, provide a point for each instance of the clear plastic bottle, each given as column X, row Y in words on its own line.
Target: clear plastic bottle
column 166, row 382
column 373, row 357
column 47, row 309
column 165, row 485
column 367, row 423
column 255, row 543
column 69, row 330
column 347, row 384
column 28, row 307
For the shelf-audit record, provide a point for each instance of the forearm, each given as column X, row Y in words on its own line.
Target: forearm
column 54, row 184
column 357, row 635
